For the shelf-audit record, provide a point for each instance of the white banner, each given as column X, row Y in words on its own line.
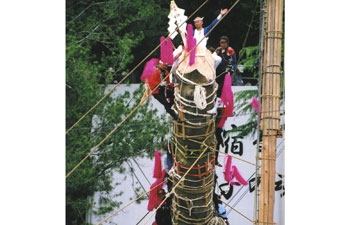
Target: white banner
column 243, row 197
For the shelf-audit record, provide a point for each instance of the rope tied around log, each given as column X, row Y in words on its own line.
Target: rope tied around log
column 199, row 97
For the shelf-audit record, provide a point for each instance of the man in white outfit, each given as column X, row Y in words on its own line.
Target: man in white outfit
column 200, row 32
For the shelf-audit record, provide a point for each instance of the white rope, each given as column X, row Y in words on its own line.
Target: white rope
column 210, row 201
column 182, row 99
column 191, row 82
column 199, row 97
column 193, row 199
column 191, row 113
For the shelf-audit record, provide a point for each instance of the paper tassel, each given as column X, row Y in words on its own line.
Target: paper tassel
column 255, row 104
column 193, row 53
column 169, row 53
column 149, row 69
column 163, row 50
column 154, row 200
column 157, row 170
column 227, row 99
column 238, row 176
column 189, row 38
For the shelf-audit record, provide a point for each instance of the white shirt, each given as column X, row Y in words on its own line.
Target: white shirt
column 198, row 35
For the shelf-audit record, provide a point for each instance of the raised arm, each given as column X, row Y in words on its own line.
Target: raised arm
column 222, row 12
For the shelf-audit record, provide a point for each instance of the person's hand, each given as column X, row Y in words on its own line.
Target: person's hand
column 223, row 11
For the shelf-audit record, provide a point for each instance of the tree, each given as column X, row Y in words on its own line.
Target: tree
column 98, row 49
column 116, row 31
column 135, row 138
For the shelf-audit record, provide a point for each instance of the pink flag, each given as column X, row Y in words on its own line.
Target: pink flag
column 227, row 99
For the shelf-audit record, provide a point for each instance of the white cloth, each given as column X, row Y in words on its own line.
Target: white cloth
column 217, row 59
column 198, row 35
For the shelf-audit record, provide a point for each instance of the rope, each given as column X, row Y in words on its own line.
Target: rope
column 244, row 161
column 143, row 217
column 124, row 78
column 141, row 171
column 238, row 212
column 199, row 97
column 193, row 102
column 196, row 168
column 110, row 216
column 136, row 177
column 193, row 199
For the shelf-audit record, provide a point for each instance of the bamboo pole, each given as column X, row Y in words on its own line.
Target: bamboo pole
column 270, row 121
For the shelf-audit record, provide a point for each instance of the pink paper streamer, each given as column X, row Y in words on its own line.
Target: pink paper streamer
column 157, row 170
column 149, row 69
column 227, row 99
column 189, row 37
column 163, row 50
column 154, row 200
column 255, row 104
column 170, row 56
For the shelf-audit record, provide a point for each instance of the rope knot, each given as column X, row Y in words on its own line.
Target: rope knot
column 200, row 97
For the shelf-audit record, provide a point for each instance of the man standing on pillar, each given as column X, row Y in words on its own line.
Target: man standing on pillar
column 200, row 32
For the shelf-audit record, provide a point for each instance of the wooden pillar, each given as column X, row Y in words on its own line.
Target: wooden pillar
column 270, row 115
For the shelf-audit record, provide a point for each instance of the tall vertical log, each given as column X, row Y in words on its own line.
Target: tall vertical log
column 270, row 117
column 193, row 198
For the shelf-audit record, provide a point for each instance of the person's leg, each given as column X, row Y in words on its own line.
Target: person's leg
column 170, row 94
column 162, row 99
column 220, row 80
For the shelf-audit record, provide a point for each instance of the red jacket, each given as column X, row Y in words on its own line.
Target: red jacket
column 155, row 79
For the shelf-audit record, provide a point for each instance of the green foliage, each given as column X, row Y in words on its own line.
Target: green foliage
column 248, row 56
column 250, row 127
column 100, row 37
column 109, row 31
column 135, row 138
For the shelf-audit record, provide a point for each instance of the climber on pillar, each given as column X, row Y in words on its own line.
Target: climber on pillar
column 154, row 74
